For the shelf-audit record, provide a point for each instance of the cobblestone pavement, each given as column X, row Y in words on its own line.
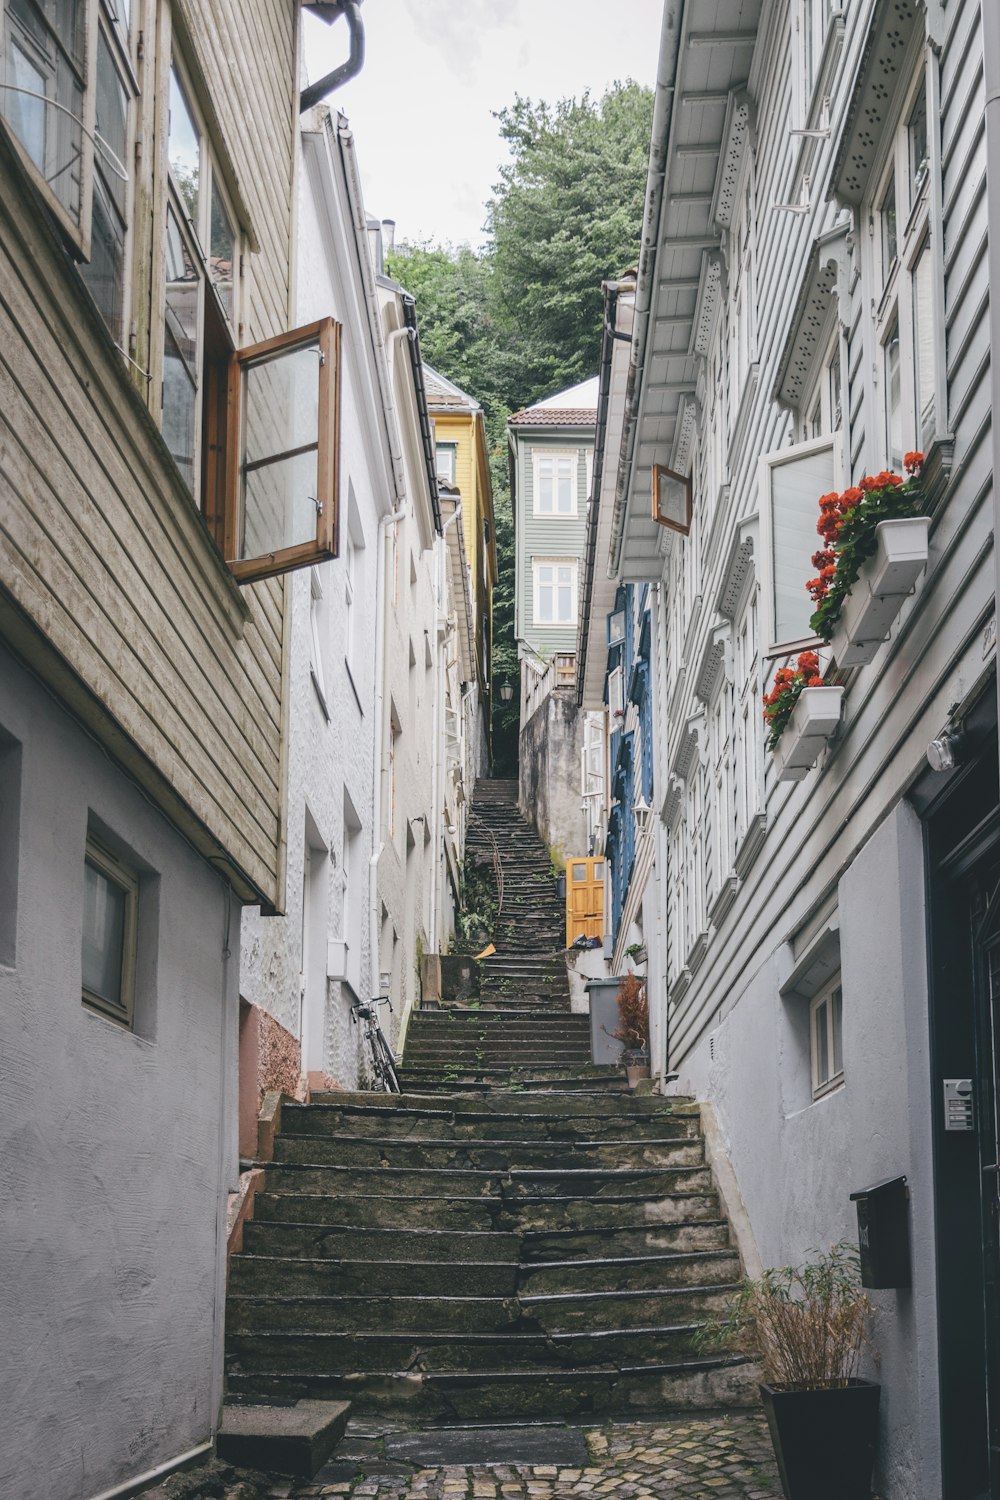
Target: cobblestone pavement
column 708, row 1458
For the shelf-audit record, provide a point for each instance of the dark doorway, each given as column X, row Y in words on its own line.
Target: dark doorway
column 962, row 820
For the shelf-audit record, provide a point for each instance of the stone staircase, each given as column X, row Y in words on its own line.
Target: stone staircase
column 514, row 1238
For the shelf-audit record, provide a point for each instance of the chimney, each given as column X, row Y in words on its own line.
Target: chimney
column 388, row 235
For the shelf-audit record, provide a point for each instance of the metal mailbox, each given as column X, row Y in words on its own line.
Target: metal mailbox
column 884, row 1233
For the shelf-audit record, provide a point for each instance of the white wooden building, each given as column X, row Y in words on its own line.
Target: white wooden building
column 811, row 302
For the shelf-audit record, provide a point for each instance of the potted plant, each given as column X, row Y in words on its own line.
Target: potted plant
column 876, row 547
column 633, row 1027
column 808, row 1326
column 801, row 713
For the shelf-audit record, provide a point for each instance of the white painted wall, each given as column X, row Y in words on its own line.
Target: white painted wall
column 308, row 974
column 118, row 1147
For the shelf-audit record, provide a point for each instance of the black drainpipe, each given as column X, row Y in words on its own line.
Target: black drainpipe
column 324, row 87
column 427, row 437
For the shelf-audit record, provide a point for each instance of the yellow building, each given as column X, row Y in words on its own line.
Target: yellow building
column 463, row 464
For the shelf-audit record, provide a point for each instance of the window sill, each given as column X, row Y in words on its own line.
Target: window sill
column 354, row 690
column 320, row 695
column 750, row 845
column 828, row 1089
column 724, row 900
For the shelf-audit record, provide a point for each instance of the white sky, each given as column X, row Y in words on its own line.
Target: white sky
column 427, row 143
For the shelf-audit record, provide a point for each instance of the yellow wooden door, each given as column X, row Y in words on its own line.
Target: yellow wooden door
column 584, row 899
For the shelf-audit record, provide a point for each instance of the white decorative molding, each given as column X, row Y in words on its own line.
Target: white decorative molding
column 739, row 568
column 680, row 986
column 698, row 950
column 869, row 110
column 724, row 900
column 737, row 135
column 827, row 276
column 715, row 664
column 684, row 430
column 694, row 620
column 690, row 746
column 750, row 844
column 711, row 293
column 670, row 810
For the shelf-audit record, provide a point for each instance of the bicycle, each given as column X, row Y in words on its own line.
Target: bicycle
column 383, row 1074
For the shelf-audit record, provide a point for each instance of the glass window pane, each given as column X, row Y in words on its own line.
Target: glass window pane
column 279, row 508
column 836, row 1027
column 916, row 132
column 599, row 869
column 796, row 485
column 923, row 346
column 103, row 935
column 579, row 872
column 105, row 272
column 565, row 603
column 184, row 147
column 43, row 60
column 221, row 252
column 890, row 242
column 180, row 351
column 822, row 1042
column 893, row 400
column 545, row 601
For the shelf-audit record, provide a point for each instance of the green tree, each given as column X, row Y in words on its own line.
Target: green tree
column 565, row 216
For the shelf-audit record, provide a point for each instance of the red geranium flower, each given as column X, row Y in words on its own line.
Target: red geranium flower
column 913, row 461
column 815, row 682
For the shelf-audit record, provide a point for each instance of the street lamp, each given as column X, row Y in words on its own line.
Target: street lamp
column 642, row 811
column 506, row 690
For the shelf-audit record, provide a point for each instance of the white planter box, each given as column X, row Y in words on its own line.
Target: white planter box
column 814, row 718
column 884, row 582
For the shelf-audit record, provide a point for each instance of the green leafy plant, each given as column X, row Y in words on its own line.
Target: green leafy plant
column 847, row 525
column 807, row 1326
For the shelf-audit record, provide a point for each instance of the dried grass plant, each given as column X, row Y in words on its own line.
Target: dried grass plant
column 807, row 1326
column 633, row 1011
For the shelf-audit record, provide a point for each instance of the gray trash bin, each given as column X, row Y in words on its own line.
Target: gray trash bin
column 604, row 1019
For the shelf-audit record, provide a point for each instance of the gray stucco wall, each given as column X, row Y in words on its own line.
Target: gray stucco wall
column 797, row 1162
column 549, row 751
column 118, row 1148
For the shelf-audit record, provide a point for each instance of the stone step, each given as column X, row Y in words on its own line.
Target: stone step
column 486, row 1155
column 480, row 1080
column 334, row 1351
column 470, row 1123
column 295, row 1440
column 368, row 1245
column 328, row 1276
column 465, row 1213
column 502, row 1102
column 509, row 1185
column 550, row 1246
column 580, row 1395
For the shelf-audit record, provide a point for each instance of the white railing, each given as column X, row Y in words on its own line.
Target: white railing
column 538, row 680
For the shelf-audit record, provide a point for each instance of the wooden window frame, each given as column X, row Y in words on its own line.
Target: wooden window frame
column 325, row 333
column 573, row 564
column 821, row 1087
column 660, row 471
column 127, row 881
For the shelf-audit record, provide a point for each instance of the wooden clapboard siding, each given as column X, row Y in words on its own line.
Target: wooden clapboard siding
column 895, row 706
column 110, row 586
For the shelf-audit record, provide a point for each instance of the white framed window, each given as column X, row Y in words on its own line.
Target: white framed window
column 748, row 753
column 554, row 481
column 110, row 930
column 555, row 583
column 792, row 481
column 446, row 455
column 742, row 331
column 907, row 284
column 616, row 696
column 822, row 408
column 812, row 20
column 721, row 768
column 826, row 1039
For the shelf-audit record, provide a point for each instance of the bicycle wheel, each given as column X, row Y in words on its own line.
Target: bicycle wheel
column 385, row 1063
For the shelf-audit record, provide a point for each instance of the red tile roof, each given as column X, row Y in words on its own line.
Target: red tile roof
column 554, row 416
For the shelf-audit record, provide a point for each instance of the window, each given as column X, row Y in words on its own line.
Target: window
column 905, row 278
column 350, row 581
column 616, row 697
column 555, row 592
column 393, row 738
column 743, row 298
column 813, row 20
column 792, row 482
column 446, row 456
column 748, row 729
column 555, row 483
column 826, row 1026
column 823, row 406
column 110, row 921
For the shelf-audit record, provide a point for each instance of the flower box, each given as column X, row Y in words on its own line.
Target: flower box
column 814, row 719
column 886, row 579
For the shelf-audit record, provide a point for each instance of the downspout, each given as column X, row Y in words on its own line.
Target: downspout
column 316, row 92
column 437, row 778
column 608, row 337
column 663, row 124
column 990, row 13
column 378, row 734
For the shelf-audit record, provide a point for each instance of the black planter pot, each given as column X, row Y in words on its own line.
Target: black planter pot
column 824, row 1441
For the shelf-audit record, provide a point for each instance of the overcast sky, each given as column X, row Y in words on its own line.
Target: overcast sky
column 420, row 110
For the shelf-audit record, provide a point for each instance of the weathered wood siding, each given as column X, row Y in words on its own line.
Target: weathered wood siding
column 894, row 707
column 112, row 588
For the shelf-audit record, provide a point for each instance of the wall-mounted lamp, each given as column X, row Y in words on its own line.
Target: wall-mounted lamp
column 506, row 690
column 945, row 752
column 642, row 811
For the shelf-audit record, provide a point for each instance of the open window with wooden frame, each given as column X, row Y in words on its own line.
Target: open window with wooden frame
column 673, row 503
column 282, row 451
column 110, row 928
